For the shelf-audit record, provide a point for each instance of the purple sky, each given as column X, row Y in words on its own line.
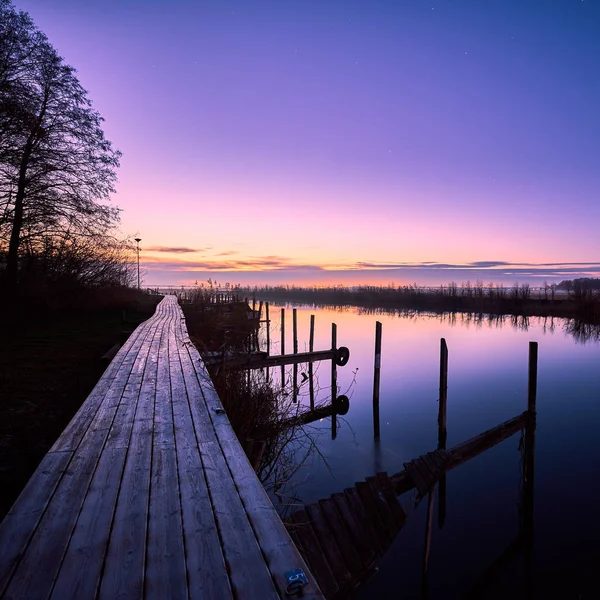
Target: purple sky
column 318, row 142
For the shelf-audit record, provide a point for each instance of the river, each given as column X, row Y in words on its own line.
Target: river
column 487, row 384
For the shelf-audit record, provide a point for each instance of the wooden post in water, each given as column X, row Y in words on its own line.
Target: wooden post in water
column 268, row 320
column 528, row 467
column 256, row 325
column 333, row 381
column 295, row 346
column 376, row 380
column 268, row 329
column 282, row 347
column 442, row 431
column 311, row 347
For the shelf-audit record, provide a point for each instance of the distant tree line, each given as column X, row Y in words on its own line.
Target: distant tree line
column 57, row 170
column 467, row 297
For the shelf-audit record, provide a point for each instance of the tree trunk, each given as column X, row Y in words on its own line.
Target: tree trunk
column 12, row 260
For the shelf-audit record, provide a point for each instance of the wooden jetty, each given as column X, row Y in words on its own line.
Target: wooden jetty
column 343, row 536
column 148, row 493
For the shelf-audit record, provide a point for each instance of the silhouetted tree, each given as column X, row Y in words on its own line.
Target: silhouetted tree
column 56, row 166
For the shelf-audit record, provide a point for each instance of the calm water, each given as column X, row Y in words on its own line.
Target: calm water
column 487, row 384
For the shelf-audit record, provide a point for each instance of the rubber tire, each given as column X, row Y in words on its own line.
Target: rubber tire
column 343, row 356
column 342, row 405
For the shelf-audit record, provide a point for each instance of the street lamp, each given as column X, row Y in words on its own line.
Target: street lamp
column 138, row 240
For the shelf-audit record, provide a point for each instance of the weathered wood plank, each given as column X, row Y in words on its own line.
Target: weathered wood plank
column 20, row 523
column 361, row 515
column 341, row 536
column 392, row 499
column 314, row 553
column 385, row 512
column 278, row 549
column 249, row 575
column 125, row 557
column 356, row 529
column 366, row 497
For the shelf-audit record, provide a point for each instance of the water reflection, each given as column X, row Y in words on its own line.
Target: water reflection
column 581, row 331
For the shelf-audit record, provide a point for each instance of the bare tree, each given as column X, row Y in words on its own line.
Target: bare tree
column 56, row 166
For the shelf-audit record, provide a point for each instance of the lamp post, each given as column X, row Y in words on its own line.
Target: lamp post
column 138, row 240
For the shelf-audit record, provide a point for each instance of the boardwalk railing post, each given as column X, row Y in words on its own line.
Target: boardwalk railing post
column 442, row 432
column 311, row 347
column 295, row 346
column 376, row 380
column 333, row 382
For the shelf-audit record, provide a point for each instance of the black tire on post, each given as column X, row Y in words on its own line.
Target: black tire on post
column 343, row 356
column 342, row 405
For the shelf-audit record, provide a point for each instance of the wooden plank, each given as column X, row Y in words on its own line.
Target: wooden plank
column 392, row 499
column 125, row 557
column 432, row 466
column 368, row 502
column 165, row 569
column 356, row 529
column 312, row 551
column 206, row 568
column 342, row 537
column 20, row 523
column 328, row 544
column 425, row 473
column 277, row 547
column 80, row 572
column 35, row 575
column 53, row 534
column 467, row 450
column 249, row 575
column 356, row 506
column 415, row 475
column 385, row 512
column 440, row 458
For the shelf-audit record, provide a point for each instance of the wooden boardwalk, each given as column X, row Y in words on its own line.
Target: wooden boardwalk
column 148, row 493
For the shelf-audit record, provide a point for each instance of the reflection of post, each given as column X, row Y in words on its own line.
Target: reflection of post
column 282, row 346
column 376, row 380
column 333, row 380
column 295, row 345
column 528, row 469
column 311, row 348
column 428, row 530
column 442, row 432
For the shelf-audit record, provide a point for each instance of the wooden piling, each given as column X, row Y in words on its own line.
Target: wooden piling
column 268, row 328
column 282, row 347
column 376, row 380
column 295, row 347
column 311, row 347
column 333, row 380
column 442, row 431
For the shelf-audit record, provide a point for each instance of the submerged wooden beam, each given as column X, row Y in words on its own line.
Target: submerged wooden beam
column 467, row 450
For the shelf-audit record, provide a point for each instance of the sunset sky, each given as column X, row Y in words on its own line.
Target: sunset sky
column 347, row 141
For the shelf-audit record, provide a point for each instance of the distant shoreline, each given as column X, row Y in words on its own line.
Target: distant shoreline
column 584, row 307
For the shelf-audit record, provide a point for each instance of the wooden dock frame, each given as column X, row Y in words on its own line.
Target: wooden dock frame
column 148, row 493
column 342, row 537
